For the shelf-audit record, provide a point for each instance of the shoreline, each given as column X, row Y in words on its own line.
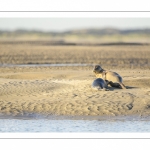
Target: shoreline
column 34, row 116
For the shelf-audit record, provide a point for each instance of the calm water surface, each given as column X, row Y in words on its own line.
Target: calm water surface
column 44, row 65
column 47, row 125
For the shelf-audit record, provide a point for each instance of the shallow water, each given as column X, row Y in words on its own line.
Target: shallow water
column 43, row 65
column 47, row 125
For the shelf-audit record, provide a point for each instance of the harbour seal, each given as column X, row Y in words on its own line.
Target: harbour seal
column 113, row 78
column 100, row 84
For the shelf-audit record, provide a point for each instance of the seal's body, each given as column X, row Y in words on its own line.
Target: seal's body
column 113, row 78
column 99, row 84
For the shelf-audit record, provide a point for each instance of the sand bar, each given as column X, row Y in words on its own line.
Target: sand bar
column 66, row 91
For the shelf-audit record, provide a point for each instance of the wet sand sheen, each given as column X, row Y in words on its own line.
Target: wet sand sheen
column 67, row 91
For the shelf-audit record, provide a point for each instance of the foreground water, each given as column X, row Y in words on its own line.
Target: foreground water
column 48, row 125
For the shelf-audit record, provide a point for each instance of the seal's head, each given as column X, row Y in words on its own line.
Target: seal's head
column 97, row 69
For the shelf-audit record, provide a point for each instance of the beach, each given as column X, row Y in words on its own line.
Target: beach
column 66, row 90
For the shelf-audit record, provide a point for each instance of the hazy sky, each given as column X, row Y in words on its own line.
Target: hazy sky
column 63, row 24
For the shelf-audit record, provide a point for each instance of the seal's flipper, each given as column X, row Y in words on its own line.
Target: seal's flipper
column 122, row 86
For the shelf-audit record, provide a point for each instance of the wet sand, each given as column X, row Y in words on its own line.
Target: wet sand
column 66, row 91
column 110, row 57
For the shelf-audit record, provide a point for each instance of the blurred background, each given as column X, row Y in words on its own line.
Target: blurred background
column 114, row 42
column 95, row 30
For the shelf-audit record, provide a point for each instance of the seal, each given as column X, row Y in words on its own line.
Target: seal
column 100, row 84
column 113, row 78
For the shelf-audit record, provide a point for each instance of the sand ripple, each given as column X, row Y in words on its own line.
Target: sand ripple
column 69, row 93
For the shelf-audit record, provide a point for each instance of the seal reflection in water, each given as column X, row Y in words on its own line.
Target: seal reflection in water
column 113, row 78
column 100, row 84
